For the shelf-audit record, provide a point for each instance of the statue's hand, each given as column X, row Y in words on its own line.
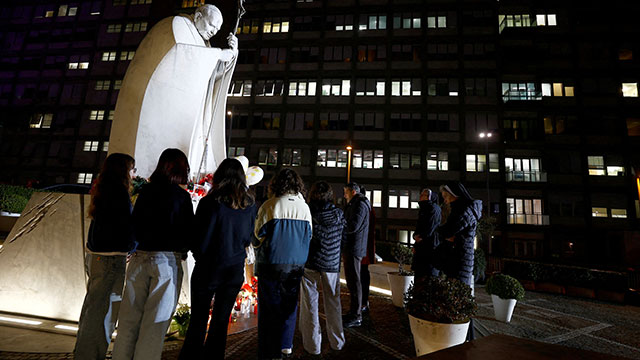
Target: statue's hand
column 233, row 42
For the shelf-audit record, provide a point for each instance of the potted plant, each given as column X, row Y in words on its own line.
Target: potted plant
column 505, row 291
column 439, row 311
column 399, row 281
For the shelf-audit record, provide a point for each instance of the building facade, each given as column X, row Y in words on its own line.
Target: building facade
column 532, row 104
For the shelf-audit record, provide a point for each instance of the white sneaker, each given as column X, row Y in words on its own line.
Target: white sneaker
column 287, row 351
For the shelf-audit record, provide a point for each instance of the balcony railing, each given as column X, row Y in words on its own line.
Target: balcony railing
column 521, row 95
column 528, row 219
column 526, row 176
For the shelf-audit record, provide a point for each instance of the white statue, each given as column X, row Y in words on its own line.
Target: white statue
column 174, row 94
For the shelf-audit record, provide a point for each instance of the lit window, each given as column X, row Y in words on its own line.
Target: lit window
column 114, row 28
column 437, row 161
column 49, row 14
column 109, row 56
column 599, row 212
column 41, row 121
column 525, row 211
column 302, row 88
column 596, row 165
column 96, row 115
column 127, row 55
column 90, row 146
column 332, row 158
column 268, row 156
column 336, row 87
column 523, row 169
column 105, row 146
column 84, row 178
column 73, row 65
column 103, row 85
column 377, row 197
column 436, row 22
column 478, row 162
column 62, row 10
column 619, row 213
column 240, row 88
column 117, row 84
column 292, row 157
column 236, row 151
column 630, row 89
column 111, row 113
column 615, row 170
column 546, row 20
column 368, row 159
column 140, row 2
column 83, row 65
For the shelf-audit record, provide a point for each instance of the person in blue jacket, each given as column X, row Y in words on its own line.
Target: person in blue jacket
column 283, row 232
column 110, row 240
column 223, row 229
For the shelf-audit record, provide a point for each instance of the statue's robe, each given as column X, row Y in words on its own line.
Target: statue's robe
column 173, row 94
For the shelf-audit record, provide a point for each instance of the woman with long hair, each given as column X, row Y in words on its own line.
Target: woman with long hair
column 162, row 218
column 283, row 233
column 223, row 229
column 110, row 240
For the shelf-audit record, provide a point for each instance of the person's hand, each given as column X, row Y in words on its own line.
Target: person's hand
column 233, row 42
column 450, row 239
column 417, row 237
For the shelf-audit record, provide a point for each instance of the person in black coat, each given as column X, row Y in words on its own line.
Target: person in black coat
column 426, row 235
column 223, row 229
column 355, row 248
column 162, row 215
column 322, row 268
column 460, row 231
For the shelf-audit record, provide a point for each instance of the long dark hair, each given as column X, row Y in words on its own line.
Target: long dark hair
column 230, row 185
column 173, row 168
column 113, row 178
column 286, row 182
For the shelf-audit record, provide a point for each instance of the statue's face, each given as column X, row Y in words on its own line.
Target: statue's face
column 208, row 26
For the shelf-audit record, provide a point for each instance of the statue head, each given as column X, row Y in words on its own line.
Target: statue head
column 208, row 20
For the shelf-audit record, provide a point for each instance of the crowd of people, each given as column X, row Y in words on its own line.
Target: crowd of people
column 299, row 244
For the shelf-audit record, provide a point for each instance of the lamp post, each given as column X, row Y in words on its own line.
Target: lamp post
column 486, row 136
column 230, row 114
column 349, row 148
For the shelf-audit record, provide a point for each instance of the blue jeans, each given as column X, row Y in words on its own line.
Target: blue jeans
column 101, row 305
column 277, row 309
column 150, row 297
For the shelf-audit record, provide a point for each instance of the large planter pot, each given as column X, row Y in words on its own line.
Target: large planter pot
column 430, row 336
column 7, row 220
column 399, row 285
column 503, row 308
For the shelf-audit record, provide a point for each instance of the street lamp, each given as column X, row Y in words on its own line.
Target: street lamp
column 349, row 148
column 230, row 114
column 486, row 136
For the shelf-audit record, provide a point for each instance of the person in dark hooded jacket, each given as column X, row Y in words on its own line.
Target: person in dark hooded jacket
column 426, row 235
column 460, row 228
column 322, row 270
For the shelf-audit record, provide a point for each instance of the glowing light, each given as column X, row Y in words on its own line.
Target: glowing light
column 229, row 113
column 372, row 288
column 65, row 327
column 349, row 147
column 482, row 135
column 20, row 321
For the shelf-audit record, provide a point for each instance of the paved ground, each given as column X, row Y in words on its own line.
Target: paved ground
column 385, row 334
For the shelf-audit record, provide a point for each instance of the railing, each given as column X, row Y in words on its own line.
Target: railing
column 526, row 176
column 521, row 95
column 528, row 219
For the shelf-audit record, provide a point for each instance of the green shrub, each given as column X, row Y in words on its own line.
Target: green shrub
column 403, row 256
column 14, row 198
column 439, row 299
column 505, row 286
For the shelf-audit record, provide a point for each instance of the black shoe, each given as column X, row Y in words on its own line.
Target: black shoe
column 351, row 321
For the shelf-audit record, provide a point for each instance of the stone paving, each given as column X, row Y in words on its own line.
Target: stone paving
column 585, row 324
